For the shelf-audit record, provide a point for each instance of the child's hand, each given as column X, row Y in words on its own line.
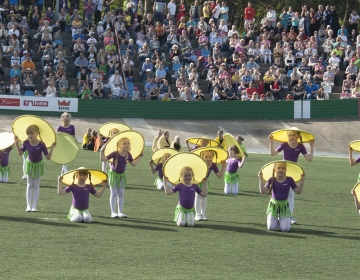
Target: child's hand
column 350, row 149
column 165, row 178
column 60, row 178
column 204, row 180
column 141, row 155
column 16, row 138
column 105, row 182
column 53, row 145
column 260, row 175
column 271, row 138
column 151, row 161
column 303, row 176
column 223, row 163
column 353, row 193
column 312, row 142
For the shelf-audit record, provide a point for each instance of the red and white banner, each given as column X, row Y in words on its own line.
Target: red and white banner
column 31, row 103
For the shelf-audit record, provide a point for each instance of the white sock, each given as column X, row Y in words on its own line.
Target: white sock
column 5, row 179
column 291, row 200
column 104, row 166
column 235, row 188
column 86, row 217
column 29, row 191
column 64, row 169
column 285, row 224
column 160, row 185
column 76, row 217
column 190, row 219
column 181, row 220
column 203, row 204
column 121, row 194
column 227, row 188
column 36, row 192
column 113, row 194
column 271, row 222
column 197, row 204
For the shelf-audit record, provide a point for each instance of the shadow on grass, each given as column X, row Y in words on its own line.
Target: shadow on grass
column 322, row 233
column 246, row 230
column 250, row 193
column 38, row 221
column 123, row 223
column 142, row 187
column 355, row 229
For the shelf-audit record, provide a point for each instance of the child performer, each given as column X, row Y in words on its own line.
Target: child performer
column 184, row 212
column 68, row 128
column 159, row 183
column 117, row 177
column 4, row 164
column 201, row 201
column 357, row 204
column 112, row 132
column 220, row 137
column 232, row 178
column 34, row 164
column 352, row 161
column 240, row 140
column 292, row 150
column 81, row 193
column 156, row 139
column 278, row 187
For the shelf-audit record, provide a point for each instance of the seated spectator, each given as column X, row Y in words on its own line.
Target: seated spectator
column 51, row 90
column 311, row 90
column 298, row 91
column 99, row 92
column 80, row 62
column 14, row 88
column 28, row 65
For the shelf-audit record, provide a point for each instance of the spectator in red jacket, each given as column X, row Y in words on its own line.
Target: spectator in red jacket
column 249, row 14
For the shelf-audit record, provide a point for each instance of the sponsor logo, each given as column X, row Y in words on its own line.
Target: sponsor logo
column 63, row 105
column 34, row 103
column 10, row 102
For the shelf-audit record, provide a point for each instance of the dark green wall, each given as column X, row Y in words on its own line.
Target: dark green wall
column 177, row 110
column 334, row 108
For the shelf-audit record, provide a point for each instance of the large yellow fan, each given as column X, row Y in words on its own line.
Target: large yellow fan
column 6, row 140
column 220, row 154
column 229, row 141
column 47, row 133
column 173, row 166
column 97, row 176
column 198, row 141
column 282, row 135
column 292, row 170
column 137, row 143
column 158, row 154
column 105, row 128
column 66, row 148
column 355, row 145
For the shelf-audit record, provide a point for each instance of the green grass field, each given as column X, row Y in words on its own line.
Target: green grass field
column 233, row 244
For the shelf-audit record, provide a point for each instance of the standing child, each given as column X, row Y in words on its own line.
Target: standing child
column 68, row 128
column 34, row 164
column 278, row 186
column 292, row 149
column 117, row 177
column 112, row 132
column 201, row 201
column 80, row 192
column 240, row 140
column 4, row 164
column 232, row 178
column 184, row 212
column 159, row 183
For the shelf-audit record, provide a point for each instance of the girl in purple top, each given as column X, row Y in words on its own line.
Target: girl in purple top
column 34, row 163
column 117, row 177
column 4, row 164
column 352, row 161
column 159, row 183
column 201, row 201
column 232, row 178
column 278, row 212
column 68, row 128
column 184, row 212
column 112, row 132
column 292, row 149
column 80, row 196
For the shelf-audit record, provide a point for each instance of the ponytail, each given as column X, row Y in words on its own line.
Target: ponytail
column 272, row 182
column 300, row 137
column 40, row 137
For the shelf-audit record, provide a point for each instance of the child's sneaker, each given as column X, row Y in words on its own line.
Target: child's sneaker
column 292, row 221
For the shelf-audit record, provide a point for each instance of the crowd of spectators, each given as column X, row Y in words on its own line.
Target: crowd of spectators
column 307, row 51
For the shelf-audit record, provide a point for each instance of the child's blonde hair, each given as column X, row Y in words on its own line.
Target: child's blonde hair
column 113, row 131
column 118, row 144
column 236, row 150
column 86, row 172
column 33, row 129
column 65, row 115
column 298, row 133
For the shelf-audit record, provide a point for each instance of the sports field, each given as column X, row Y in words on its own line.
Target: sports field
column 233, row 244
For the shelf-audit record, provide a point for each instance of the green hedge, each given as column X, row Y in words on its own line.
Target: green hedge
column 176, row 110
column 334, row 108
